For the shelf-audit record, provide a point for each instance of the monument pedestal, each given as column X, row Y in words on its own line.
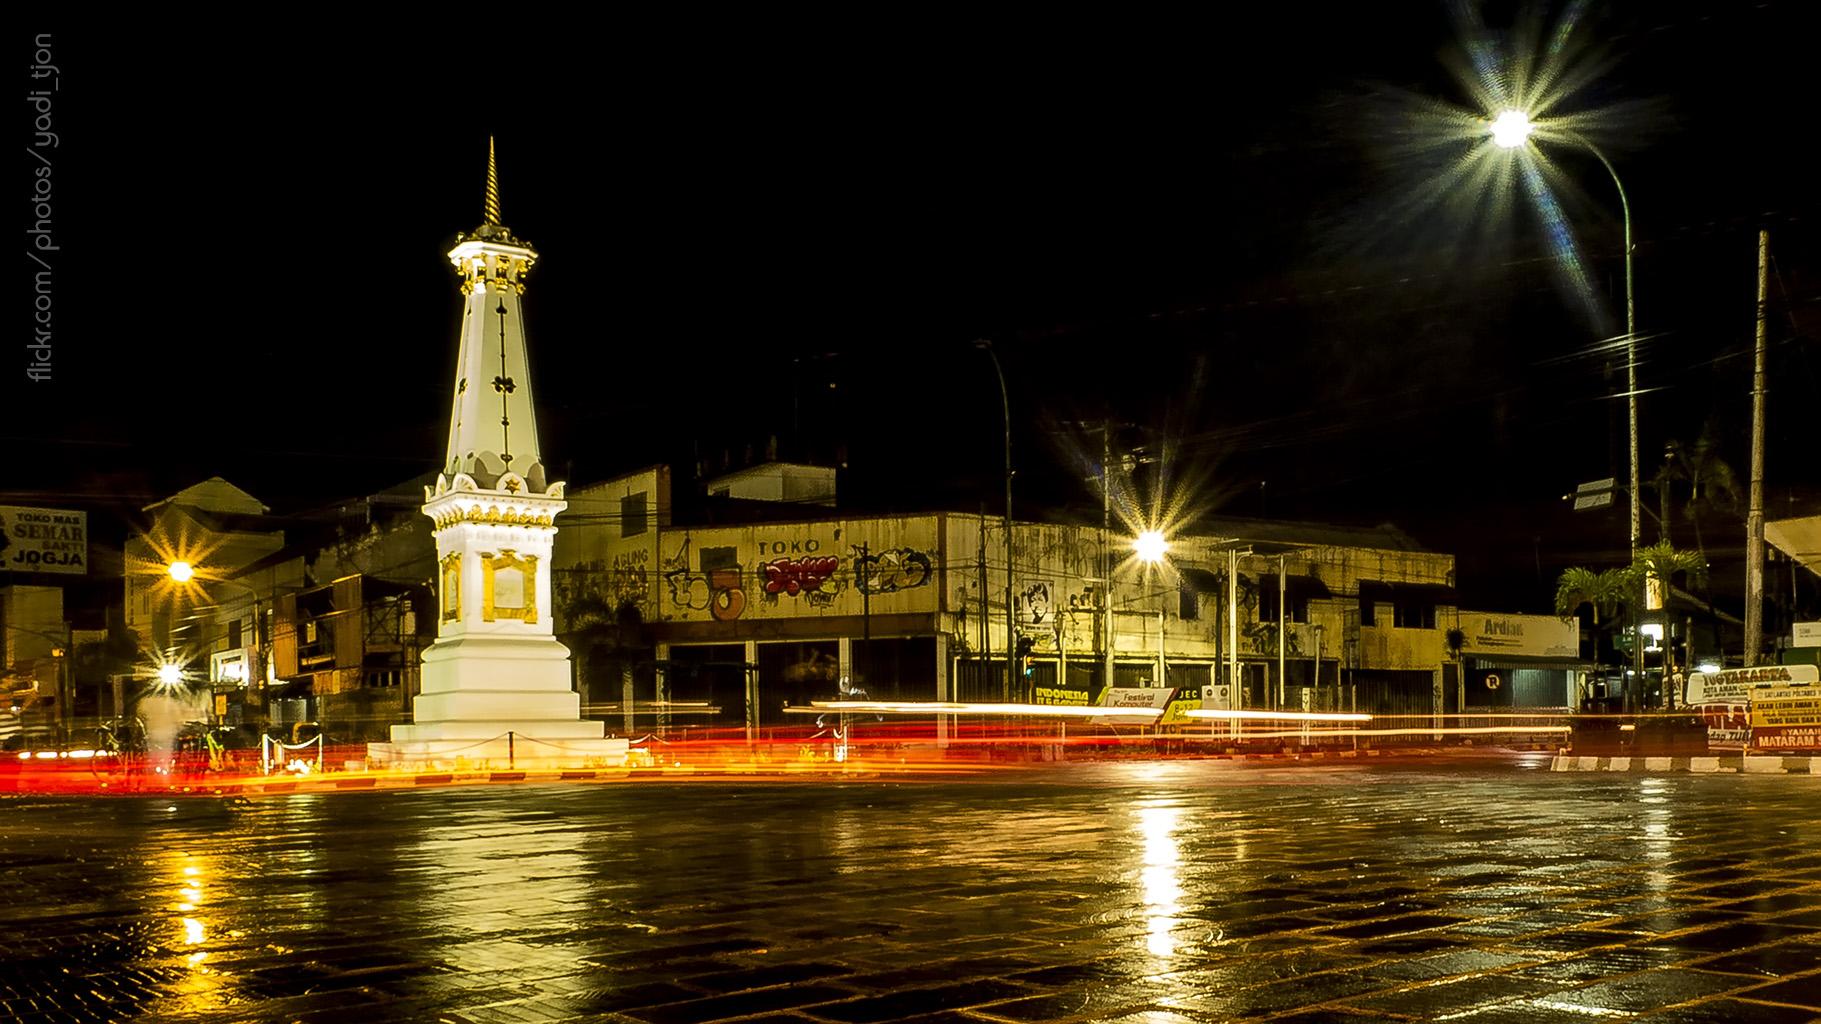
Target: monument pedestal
column 498, row 702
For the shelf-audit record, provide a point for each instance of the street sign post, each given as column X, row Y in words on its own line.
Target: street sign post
column 1595, row 494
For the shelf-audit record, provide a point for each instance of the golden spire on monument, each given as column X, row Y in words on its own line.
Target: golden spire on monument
column 491, row 230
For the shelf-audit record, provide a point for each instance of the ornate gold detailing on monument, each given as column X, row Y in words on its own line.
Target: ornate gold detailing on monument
column 452, row 588
column 497, row 270
column 508, row 516
column 508, row 586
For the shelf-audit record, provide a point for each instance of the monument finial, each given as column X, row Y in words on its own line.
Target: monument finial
column 493, row 187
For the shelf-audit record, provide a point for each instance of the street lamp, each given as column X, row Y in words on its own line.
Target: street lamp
column 169, row 675
column 1150, row 547
column 1005, row 404
column 1509, row 130
column 183, row 573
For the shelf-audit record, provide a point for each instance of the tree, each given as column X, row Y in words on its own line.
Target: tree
column 1605, row 591
column 1630, row 590
column 1456, row 642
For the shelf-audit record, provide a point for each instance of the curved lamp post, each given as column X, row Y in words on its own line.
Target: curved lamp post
column 1509, row 130
column 1512, row 129
column 1011, row 625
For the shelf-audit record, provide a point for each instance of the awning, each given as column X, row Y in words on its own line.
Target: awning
column 1519, row 661
column 1297, row 584
column 1203, row 581
column 1430, row 593
column 1798, row 538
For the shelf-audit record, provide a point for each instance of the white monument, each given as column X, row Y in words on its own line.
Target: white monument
column 496, row 683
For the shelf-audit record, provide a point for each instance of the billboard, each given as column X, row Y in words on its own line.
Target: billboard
column 1727, row 700
column 1786, row 717
column 43, row 540
column 1530, row 636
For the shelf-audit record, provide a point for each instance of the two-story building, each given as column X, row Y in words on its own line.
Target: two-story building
column 286, row 620
column 797, row 602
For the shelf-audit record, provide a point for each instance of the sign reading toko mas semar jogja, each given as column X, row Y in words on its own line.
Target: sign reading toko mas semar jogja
column 43, row 540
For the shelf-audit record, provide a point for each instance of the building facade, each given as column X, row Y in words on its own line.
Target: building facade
column 747, row 619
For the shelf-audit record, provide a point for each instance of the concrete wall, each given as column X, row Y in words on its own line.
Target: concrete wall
column 799, row 570
column 594, row 563
column 32, row 620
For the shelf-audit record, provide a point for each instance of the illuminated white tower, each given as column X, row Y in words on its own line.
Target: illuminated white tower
column 496, row 683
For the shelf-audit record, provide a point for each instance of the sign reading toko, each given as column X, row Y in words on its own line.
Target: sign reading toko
column 43, row 540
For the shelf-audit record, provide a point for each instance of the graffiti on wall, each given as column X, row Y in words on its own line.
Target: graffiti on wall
column 626, row 578
column 889, row 571
column 1036, row 603
column 1262, row 637
column 794, row 576
column 719, row 589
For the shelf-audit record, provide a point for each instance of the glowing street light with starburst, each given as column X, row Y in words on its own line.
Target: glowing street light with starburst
column 1511, row 128
column 1150, row 547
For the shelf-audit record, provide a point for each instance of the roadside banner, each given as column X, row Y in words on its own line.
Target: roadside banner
column 1725, row 698
column 1786, row 717
column 1189, row 700
column 1143, row 704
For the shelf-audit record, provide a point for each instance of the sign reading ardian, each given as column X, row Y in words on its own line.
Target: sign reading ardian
column 43, row 540
column 1533, row 636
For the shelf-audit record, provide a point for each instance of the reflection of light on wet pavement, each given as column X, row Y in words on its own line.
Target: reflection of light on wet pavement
column 484, row 882
column 1157, row 823
column 201, row 989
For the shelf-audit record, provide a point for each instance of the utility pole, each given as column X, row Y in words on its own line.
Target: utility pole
column 1754, row 520
column 1106, row 558
column 866, row 613
column 986, row 612
column 1283, row 627
column 1011, row 625
column 1232, row 644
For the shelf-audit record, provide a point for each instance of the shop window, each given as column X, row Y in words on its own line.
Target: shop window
column 1296, row 608
column 1413, row 616
column 633, row 515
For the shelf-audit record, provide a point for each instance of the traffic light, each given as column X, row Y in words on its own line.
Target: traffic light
column 1024, row 647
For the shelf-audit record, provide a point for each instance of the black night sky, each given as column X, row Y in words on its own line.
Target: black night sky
column 1185, row 226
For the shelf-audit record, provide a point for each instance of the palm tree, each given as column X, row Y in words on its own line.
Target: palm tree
column 1456, row 642
column 1653, row 572
column 1605, row 591
column 1642, row 585
column 1656, row 565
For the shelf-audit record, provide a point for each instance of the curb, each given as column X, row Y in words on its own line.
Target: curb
column 1733, row 764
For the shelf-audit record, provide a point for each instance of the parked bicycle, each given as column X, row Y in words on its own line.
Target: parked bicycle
column 120, row 749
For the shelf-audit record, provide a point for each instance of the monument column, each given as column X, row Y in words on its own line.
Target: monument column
column 496, row 683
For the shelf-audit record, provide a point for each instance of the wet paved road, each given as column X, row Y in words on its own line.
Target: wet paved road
column 1145, row 894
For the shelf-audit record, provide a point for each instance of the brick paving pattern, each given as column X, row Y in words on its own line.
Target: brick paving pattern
column 1162, row 893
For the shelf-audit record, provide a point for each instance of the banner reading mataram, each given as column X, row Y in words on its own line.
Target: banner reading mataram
column 1786, row 717
column 43, row 540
